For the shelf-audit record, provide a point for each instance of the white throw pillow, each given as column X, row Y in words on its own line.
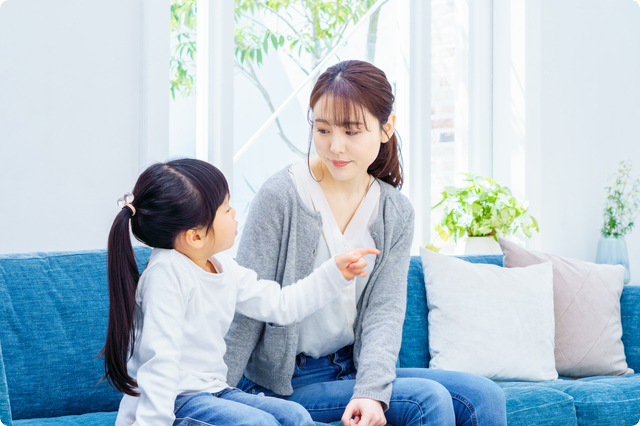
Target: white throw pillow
column 491, row 321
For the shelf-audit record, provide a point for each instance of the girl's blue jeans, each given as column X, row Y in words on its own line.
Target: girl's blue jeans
column 232, row 407
column 420, row 396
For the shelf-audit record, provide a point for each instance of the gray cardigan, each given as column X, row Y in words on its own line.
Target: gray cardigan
column 279, row 242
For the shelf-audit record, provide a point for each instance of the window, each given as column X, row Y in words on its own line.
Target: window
column 275, row 47
column 276, row 52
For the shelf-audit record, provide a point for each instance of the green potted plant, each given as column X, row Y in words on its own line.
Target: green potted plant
column 620, row 211
column 482, row 209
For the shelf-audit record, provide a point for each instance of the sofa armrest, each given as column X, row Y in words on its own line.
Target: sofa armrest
column 630, row 312
column 5, row 407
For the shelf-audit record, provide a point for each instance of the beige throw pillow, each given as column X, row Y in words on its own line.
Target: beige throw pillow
column 587, row 312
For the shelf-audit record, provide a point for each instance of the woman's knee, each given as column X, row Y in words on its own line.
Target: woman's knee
column 419, row 402
column 489, row 404
column 483, row 403
column 493, row 394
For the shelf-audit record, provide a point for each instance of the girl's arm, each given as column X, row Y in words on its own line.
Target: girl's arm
column 267, row 301
column 158, row 345
column 265, row 227
column 383, row 318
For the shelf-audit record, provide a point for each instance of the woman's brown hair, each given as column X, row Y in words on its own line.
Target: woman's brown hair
column 353, row 87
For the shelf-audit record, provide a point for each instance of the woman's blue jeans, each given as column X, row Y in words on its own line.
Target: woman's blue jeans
column 232, row 407
column 420, row 396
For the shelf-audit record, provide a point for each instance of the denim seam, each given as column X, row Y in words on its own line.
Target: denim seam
column 195, row 421
column 181, row 404
column 411, row 402
column 469, row 406
column 325, row 409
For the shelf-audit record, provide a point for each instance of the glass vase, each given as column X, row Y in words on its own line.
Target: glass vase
column 613, row 251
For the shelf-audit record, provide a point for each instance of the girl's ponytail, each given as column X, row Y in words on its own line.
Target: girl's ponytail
column 123, row 278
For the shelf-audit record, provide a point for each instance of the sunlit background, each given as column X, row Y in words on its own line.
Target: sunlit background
column 541, row 96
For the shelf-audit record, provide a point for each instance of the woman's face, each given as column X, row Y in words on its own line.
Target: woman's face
column 347, row 149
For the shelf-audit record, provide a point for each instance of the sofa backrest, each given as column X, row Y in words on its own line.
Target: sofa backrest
column 415, row 334
column 630, row 312
column 414, row 352
column 53, row 319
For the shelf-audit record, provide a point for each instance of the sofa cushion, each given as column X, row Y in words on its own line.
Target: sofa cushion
column 95, row 419
column 587, row 312
column 533, row 403
column 603, row 400
column 5, row 408
column 92, row 419
column 53, row 319
column 488, row 320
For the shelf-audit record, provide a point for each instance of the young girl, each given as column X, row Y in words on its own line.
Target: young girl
column 340, row 362
column 165, row 347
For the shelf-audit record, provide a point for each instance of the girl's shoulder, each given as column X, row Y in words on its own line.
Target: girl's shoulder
column 227, row 261
column 164, row 268
column 163, row 259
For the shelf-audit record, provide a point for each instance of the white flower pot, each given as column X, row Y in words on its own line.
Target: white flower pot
column 482, row 245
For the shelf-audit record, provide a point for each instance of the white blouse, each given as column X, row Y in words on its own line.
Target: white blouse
column 331, row 328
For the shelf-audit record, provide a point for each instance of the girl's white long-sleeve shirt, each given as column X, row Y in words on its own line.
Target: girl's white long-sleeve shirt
column 183, row 314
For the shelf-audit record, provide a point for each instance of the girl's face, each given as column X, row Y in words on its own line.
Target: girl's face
column 347, row 149
column 224, row 229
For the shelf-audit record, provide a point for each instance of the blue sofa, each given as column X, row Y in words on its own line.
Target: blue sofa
column 53, row 316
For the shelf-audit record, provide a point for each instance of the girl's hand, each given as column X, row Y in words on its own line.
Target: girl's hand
column 365, row 412
column 352, row 263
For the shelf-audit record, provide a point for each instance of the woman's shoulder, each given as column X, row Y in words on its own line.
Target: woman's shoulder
column 277, row 188
column 390, row 196
column 279, row 181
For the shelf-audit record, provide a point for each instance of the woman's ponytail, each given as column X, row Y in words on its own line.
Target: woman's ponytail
column 123, row 278
column 388, row 165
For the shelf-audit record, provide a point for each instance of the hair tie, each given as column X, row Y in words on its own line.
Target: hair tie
column 126, row 202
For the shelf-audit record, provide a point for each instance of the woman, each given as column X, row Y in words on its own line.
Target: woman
column 340, row 363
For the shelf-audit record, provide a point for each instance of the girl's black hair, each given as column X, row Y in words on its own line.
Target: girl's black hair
column 169, row 198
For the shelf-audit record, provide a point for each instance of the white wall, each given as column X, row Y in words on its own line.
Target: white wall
column 70, row 114
column 567, row 97
column 590, row 117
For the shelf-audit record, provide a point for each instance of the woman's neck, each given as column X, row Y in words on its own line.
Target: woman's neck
column 357, row 186
column 343, row 196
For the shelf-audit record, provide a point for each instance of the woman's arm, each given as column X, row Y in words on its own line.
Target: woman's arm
column 382, row 321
